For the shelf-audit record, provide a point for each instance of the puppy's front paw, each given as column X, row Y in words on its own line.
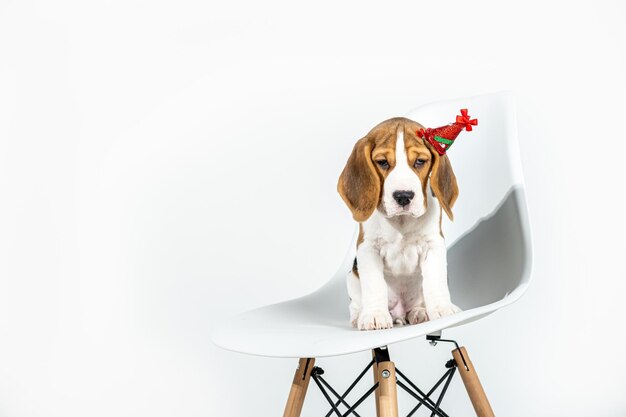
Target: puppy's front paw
column 417, row 315
column 354, row 319
column 441, row 310
column 374, row 320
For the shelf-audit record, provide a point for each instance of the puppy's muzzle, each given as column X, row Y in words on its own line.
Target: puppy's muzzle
column 403, row 198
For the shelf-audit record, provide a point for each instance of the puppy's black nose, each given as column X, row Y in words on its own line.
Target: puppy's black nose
column 403, row 197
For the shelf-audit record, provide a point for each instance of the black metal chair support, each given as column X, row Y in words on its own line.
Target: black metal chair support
column 381, row 355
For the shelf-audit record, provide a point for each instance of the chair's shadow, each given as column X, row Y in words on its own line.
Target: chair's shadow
column 487, row 262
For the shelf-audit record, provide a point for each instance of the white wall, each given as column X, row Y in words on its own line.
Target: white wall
column 166, row 164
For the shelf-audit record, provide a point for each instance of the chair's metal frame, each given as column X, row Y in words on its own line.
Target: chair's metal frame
column 385, row 372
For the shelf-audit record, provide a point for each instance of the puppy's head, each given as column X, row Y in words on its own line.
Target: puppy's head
column 390, row 170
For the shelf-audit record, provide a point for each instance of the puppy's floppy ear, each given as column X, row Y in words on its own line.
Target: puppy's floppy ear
column 443, row 183
column 359, row 183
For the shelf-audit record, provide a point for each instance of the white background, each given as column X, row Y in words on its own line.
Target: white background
column 164, row 165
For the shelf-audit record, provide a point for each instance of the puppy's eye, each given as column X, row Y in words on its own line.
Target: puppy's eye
column 383, row 164
column 418, row 163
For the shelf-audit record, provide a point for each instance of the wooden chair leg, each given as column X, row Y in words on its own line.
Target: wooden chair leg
column 298, row 387
column 386, row 394
column 377, row 392
column 472, row 383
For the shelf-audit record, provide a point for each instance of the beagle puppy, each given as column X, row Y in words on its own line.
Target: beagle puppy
column 397, row 187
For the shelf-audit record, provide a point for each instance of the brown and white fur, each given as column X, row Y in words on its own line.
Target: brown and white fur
column 400, row 270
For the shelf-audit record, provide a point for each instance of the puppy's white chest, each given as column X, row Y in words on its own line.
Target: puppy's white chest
column 401, row 257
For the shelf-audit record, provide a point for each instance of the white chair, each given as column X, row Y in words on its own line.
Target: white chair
column 489, row 263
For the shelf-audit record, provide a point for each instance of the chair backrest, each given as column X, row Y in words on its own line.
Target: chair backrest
column 489, row 249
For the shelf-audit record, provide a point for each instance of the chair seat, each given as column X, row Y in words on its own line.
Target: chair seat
column 295, row 329
column 489, row 254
